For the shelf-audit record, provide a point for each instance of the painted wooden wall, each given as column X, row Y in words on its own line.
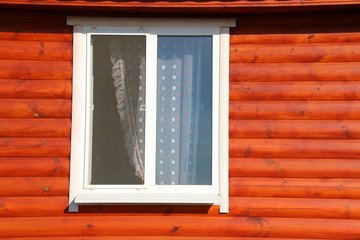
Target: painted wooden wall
column 294, row 129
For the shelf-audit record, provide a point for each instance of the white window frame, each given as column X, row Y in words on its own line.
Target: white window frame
column 149, row 193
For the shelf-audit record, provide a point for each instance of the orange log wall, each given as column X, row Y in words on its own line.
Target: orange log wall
column 294, row 136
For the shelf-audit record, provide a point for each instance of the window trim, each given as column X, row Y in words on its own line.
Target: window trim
column 77, row 195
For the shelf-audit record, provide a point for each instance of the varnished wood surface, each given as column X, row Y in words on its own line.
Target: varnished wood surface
column 295, row 187
column 153, row 238
column 296, row 110
column 32, row 127
column 310, row 52
column 239, row 206
column 35, row 108
column 20, row 69
column 290, row 129
column 180, row 226
column 40, row 89
column 35, row 50
column 33, row 186
column 295, row 207
column 294, row 148
column 180, row 6
column 295, row 38
column 295, row 90
column 320, row 168
column 34, row 147
column 294, row 134
column 34, row 166
column 327, row 71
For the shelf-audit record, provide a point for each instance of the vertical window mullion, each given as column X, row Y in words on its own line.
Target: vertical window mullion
column 216, row 107
column 150, row 122
column 89, row 108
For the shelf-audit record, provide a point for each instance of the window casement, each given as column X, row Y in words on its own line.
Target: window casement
column 150, row 111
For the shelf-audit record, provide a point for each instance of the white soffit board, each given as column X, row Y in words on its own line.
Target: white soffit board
column 152, row 22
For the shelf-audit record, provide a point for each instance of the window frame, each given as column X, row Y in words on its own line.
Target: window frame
column 83, row 193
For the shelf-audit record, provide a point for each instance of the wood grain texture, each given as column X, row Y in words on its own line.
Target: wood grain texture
column 319, row 20
column 295, row 187
column 35, row 50
column 260, row 72
column 35, row 108
column 34, row 147
column 320, row 129
column 295, row 167
column 296, row 110
column 153, row 238
column 32, row 206
column 31, row 127
column 31, row 32
column 180, row 226
column 21, row 69
column 33, row 186
column 183, row 6
column 278, row 38
column 303, row 90
column 293, row 148
column 295, row 207
column 311, row 52
column 42, row 89
column 34, row 166
column 21, row 16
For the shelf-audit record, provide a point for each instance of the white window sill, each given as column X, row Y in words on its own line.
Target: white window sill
column 147, row 198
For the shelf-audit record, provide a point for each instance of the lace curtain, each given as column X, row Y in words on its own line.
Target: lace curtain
column 179, row 88
column 128, row 71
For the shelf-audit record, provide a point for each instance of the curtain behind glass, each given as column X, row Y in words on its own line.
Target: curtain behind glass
column 184, row 103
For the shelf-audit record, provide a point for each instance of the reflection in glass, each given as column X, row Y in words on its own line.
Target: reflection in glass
column 119, row 109
column 184, row 110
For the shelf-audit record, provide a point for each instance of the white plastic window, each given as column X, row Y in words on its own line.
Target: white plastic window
column 146, row 114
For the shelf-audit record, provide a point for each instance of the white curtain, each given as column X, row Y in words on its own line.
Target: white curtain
column 128, row 73
column 178, row 92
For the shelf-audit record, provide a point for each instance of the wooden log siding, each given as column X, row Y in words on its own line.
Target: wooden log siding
column 294, row 136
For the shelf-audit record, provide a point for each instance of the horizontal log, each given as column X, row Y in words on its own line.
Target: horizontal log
column 295, row 167
column 34, row 167
column 37, row 108
column 294, row 148
column 21, row 69
column 17, row 16
column 180, row 226
column 305, row 90
column 34, row 147
column 34, row 127
column 239, row 206
column 300, row 18
column 280, row 53
column 326, row 129
column 295, row 38
column 32, row 206
column 300, row 110
column 295, row 207
column 295, row 71
column 295, row 187
column 33, row 186
column 31, row 32
column 206, row 6
column 56, row 206
column 285, row 28
column 11, row 88
column 35, row 50
column 153, row 238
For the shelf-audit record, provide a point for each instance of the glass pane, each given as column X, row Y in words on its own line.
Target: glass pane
column 119, row 109
column 184, row 110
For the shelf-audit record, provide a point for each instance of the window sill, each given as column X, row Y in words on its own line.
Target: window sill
column 147, row 198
